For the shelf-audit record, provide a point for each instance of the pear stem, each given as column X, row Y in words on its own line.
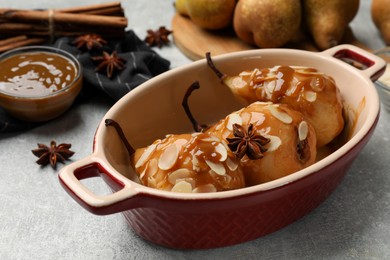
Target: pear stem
column 197, row 127
column 211, row 64
column 118, row 128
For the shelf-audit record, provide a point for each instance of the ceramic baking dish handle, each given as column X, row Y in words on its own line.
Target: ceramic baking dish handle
column 88, row 167
column 364, row 61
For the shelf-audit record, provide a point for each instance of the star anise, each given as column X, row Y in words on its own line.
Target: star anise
column 89, row 41
column 247, row 142
column 52, row 154
column 109, row 62
column 158, row 37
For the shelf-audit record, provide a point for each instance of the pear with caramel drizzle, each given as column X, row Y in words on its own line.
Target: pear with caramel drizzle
column 195, row 162
column 286, row 141
column 304, row 89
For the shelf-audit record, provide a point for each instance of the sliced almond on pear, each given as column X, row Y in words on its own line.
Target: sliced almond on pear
column 218, row 168
column 182, row 186
column 168, row 158
column 282, row 116
column 178, row 174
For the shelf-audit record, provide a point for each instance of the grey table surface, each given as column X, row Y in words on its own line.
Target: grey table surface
column 38, row 220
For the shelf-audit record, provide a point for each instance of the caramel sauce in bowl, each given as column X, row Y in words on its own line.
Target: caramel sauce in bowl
column 38, row 83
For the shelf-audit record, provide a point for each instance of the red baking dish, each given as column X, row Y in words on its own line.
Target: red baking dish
column 216, row 219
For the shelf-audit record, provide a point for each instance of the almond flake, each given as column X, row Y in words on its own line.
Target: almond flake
column 237, row 82
column 303, row 130
column 274, row 143
column 168, row 157
column 145, row 155
column 152, row 182
column 218, row 168
column 257, row 118
column 205, row 188
column 245, row 73
column 233, row 119
column 178, row 174
column 150, row 169
column 220, row 148
column 180, row 142
column 282, row 116
column 195, row 164
column 182, row 186
column 232, row 165
column 210, row 138
column 310, row 96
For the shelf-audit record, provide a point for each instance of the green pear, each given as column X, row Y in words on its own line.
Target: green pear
column 327, row 20
column 267, row 23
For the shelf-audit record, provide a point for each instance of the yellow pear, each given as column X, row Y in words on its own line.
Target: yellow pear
column 211, row 14
column 267, row 23
column 181, row 7
column 380, row 12
column 327, row 20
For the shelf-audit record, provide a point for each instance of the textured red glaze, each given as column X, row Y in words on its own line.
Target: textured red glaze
column 196, row 224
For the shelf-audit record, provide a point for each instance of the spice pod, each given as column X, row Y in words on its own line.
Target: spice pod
column 38, row 83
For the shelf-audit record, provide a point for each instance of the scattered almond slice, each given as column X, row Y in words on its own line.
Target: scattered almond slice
column 168, row 157
column 182, row 186
column 233, row 119
column 282, row 116
column 145, row 155
column 310, row 96
column 274, row 143
column 220, row 148
column 195, row 164
column 178, row 174
column 238, row 82
column 152, row 182
column 232, row 165
column 218, row 168
column 150, row 169
column 303, row 130
column 179, row 143
column 210, row 138
column 257, row 118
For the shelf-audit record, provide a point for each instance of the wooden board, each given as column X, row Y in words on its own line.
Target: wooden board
column 194, row 41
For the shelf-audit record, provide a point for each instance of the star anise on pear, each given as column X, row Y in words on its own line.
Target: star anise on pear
column 52, row 154
column 110, row 63
column 247, row 142
column 158, row 37
column 89, row 41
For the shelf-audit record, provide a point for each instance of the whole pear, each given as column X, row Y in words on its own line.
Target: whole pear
column 380, row 12
column 327, row 20
column 211, row 14
column 267, row 23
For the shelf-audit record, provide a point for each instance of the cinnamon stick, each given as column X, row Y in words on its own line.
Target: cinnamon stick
column 60, row 30
column 19, row 42
column 90, row 8
column 12, row 40
column 106, row 19
column 58, row 17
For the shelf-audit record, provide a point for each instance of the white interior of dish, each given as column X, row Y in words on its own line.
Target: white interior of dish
column 154, row 109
